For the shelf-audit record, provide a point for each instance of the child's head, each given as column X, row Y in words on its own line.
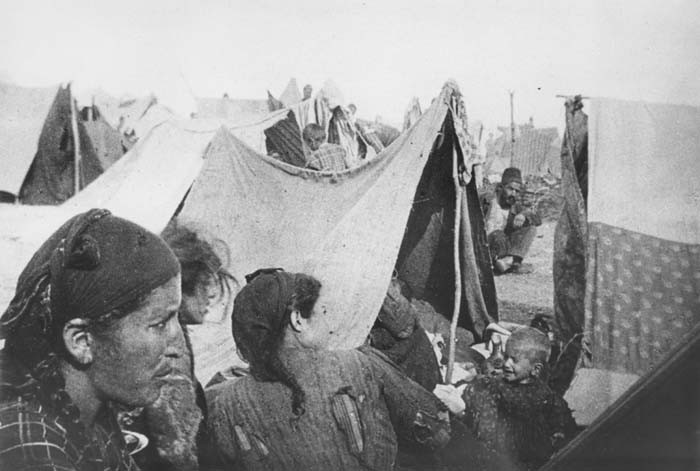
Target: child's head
column 526, row 355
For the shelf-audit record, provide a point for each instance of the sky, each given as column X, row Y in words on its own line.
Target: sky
column 380, row 53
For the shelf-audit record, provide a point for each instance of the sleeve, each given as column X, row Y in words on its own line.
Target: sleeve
column 417, row 415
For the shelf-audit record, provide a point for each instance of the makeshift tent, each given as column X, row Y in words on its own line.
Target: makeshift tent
column 654, row 425
column 38, row 145
column 627, row 249
column 351, row 229
column 291, row 94
column 106, row 141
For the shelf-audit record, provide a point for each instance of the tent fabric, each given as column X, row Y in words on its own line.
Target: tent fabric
column 50, row 179
column 570, row 240
column 344, row 228
column 149, row 182
column 23, row 114
column 643, row 257
column 531, row 152
column 106, row 141
column 654, row 159
column 654, row 425
column 291, row 94
column 284, row 139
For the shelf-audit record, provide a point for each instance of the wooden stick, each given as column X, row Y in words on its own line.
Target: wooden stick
column 76, row 143
column 458, row 270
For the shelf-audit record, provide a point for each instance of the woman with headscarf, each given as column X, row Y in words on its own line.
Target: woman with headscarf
column 174, row 422
column 93, row 322
column 304, row 407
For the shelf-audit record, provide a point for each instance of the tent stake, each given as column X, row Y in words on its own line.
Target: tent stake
column 458, row 270
column 76, row 143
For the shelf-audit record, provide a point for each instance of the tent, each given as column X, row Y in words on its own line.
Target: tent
column 627, row 268
column 351, row 229
column 38, row 146
column 291, row 94
column 105, row 140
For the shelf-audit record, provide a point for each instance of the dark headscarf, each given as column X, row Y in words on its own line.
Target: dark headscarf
column 259, row 314
column 92, row 265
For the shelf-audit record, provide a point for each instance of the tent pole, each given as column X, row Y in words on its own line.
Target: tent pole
column 458, row 270
column 76, row 143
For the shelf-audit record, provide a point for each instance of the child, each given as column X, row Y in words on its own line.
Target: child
column 516, row 416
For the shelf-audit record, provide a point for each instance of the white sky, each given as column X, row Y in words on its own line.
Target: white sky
column 379, row 53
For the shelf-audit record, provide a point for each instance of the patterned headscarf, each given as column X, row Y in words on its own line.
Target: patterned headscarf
column 92, row 265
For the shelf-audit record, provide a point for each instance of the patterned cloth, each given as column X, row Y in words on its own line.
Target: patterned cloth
column 33, row 436
column 642, row 297
column 328, row 158
column 521, row 425
column 356, row 405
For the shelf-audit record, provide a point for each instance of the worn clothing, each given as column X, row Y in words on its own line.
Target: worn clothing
column 356, row 405
column 503, row 237
column 522, row 423
column 35, row 436
column 328, row 158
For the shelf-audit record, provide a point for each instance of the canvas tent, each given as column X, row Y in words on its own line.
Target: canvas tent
column 38, row 145
column 350, row 229
column 627, row 250
column 291, row 94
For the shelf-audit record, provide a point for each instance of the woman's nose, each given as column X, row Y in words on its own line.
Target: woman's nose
column 176, row 341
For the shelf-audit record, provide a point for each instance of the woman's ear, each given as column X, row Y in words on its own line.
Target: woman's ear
column 296, row 321
column 78, row 340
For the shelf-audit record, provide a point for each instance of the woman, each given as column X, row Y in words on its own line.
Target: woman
column 173, row 422
column 93, row 321
column 304, row 407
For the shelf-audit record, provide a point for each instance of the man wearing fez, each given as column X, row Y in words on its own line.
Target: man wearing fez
column 510, row 227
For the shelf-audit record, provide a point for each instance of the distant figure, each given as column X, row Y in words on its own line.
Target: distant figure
column 510, row 228
column 517, row 416
column 323, row 156
column 353, row 109
column 308, row 89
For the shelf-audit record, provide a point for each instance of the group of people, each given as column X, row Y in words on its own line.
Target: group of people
column 96, row 340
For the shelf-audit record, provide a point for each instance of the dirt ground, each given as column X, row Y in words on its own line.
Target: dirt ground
column 521, row 296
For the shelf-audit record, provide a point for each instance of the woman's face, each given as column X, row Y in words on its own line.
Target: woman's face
column 195, row 306
column 133, row 357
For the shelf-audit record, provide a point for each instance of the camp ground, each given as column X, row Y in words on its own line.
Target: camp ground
column 38, row 129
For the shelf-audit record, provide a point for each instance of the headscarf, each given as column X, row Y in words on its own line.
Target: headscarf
column 258, row 317
column 93, row 264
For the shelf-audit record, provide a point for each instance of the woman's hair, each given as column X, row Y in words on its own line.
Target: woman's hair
column 199, row 262
column 269, row 300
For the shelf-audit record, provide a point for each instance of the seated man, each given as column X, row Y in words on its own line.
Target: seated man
column 509, row 227
column 324, row 157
